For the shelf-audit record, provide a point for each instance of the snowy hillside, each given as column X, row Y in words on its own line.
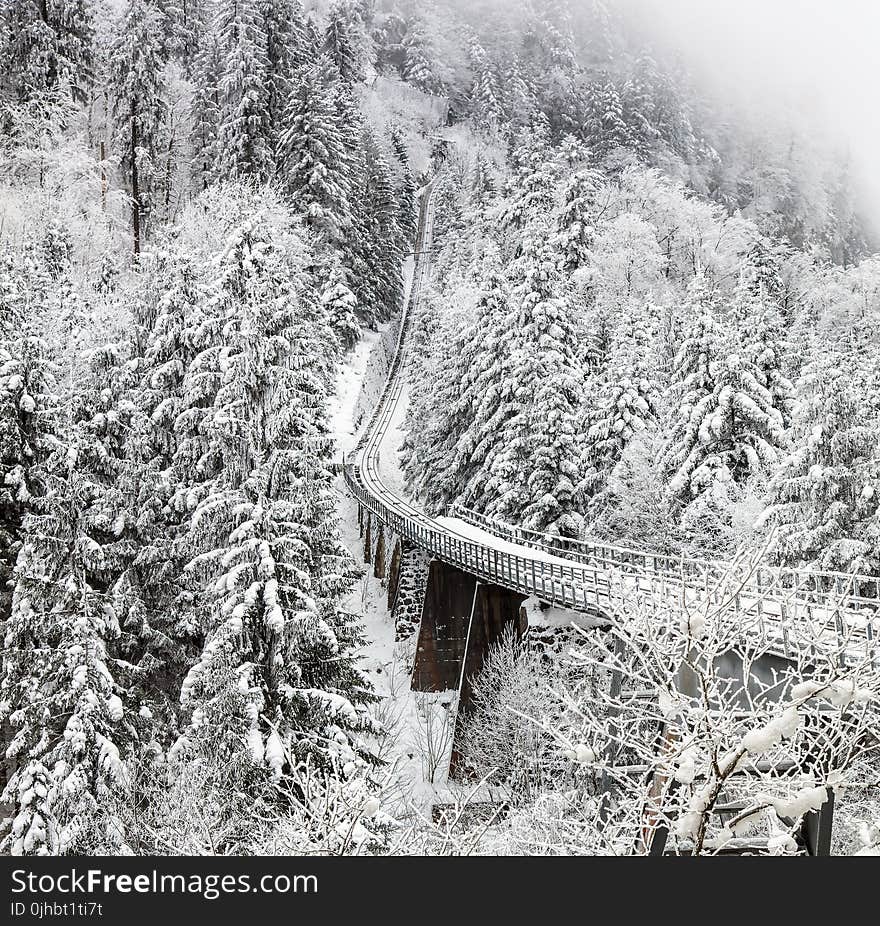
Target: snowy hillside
column 290, row 289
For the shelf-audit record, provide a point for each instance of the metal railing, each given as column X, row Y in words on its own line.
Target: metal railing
column 853, row 590
column 591, row 576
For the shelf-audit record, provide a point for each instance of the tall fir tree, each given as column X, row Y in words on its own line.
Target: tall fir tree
column 244, row 133
column 138, row 103
column 462, row 408
column 417, row 66
column 576, row 214
column 287, row 51
column 187, row 22
column 486, row 98
column 343, row 40
column 312, row 157
column 629, row 400
column 406, row 214
column 377, row 239
column 46, row 45
column 535, row 463
column 73, row 727
column 605, row 128
column 763, row 340
column 726, row 426
column 826, row 492
column 531, row 196
column 275, row 676
column 205, row 111
column 26, row 401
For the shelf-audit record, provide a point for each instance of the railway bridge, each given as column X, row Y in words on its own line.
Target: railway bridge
column 481, row 570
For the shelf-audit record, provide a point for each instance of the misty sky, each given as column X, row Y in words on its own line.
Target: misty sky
column 820, row 58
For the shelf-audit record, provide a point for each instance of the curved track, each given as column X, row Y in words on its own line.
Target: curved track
column 592, row 576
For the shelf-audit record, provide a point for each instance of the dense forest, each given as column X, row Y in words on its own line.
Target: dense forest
column 654, row 318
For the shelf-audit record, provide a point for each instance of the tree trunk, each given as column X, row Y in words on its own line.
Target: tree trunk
column 103, row 178
column 135, row 191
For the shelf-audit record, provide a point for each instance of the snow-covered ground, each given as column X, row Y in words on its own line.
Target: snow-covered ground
column 388, row 664
column 341, row 407
column 419, row 724
column 389, row 452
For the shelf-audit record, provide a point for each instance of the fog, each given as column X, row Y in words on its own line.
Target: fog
column 819, row 62
column 812, row 63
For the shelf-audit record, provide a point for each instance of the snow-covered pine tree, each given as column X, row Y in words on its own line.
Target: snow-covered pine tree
column 276, row 676
column 726, row 426
column 287, row 51
column 486, row 98
column 534, row 465
column 692, row 385
column 551, row 20
column 70, row 713
column 462, row 401
column 844, row 232
column 187, row 22
column 482, row 182
column 418, row 68
column 340, row 303
column 343, row 40
column 600, row 35
column 46, row 45
column 472, row 217
column 575, row 215
column 357, row 249
column 639, row 107
column 763, row 268
column 205, row 111
column 312, row 158
column 138, row 104
column 827, row 490
column 629, row 403
column 377, row 241
column 157, row 637
column 245, row 134
column 26, row 401
column 605, row 128
column 672, row 115
column 763, row 340
column 531, row 197
column 519, row 94
column 72, row 729
column 406, row 215
column 427, row 449
column 551, row 62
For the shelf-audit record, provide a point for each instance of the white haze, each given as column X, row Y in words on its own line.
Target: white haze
column 817, row 62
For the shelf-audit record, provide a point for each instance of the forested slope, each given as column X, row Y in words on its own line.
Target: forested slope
column 197, row 219
column 651, row 321
column 653, row 318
